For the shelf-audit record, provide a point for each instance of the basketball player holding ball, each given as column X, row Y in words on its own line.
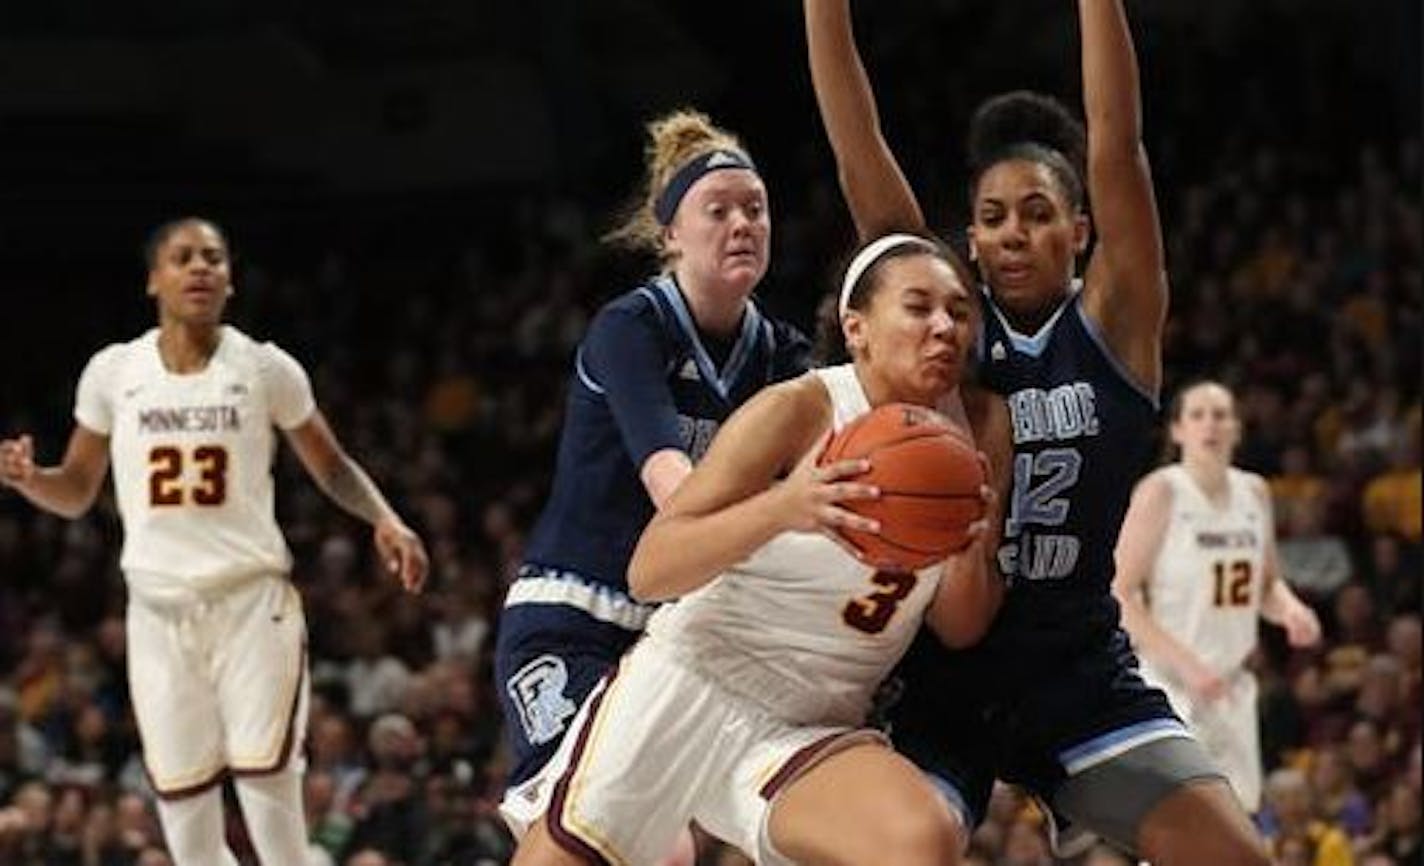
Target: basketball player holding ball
column 743, row 707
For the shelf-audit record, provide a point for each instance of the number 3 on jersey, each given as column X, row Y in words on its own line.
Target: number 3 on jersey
column 871, row 613
column 165, row 485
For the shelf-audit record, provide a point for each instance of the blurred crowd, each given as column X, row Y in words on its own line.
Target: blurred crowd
column 1297, row 279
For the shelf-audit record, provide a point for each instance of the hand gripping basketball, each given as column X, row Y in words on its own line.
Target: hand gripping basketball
column 931, row 480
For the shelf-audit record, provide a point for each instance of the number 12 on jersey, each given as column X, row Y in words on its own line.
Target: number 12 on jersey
column 165, row 477
column 1233, row 584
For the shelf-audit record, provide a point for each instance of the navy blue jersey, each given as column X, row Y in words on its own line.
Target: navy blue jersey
column 1082, row 433
column 1053, row 687
column 643, row 381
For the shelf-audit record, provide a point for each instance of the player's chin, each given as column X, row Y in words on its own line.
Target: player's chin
column 746, row 270
column 201, row 314
column 938, row 378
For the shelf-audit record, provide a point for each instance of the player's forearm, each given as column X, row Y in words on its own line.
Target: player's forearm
column 842, row 87
column 1112, row 98
column 1278, row 601
column 348, row 485
column 968, row 599
column 678, row 554
column 663, row 473
column 1152, row 641
column 59, row 491
column 875, row 189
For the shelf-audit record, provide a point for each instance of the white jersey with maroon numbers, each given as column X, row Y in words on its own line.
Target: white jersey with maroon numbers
column 192, row 457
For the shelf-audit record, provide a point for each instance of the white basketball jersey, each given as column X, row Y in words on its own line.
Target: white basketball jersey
column 1206, row 585
column 801, row 627
column 192, row 457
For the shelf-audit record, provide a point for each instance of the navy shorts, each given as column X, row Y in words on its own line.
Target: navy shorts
column 968, row 718
column 558, row 635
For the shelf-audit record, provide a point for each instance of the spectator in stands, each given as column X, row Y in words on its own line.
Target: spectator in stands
column 1295, row 829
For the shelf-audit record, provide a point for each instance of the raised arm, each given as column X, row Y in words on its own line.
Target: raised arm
column 68, row 489
column 1126, row 286
column 1138, row 542
column 348, row 485
column 731, row 504
column 879, row 197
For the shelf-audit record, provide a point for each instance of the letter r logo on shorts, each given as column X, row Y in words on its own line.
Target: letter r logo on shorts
column 537, row 689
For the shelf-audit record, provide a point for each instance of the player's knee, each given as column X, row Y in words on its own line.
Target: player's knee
column 538, row 848
column 920, row 835
column 1229, row 842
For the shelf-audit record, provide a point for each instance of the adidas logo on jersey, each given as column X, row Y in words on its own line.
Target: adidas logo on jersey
column 689, row 371
column 997, row 352
column 720, row 158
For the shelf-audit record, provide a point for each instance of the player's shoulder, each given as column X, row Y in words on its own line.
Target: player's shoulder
column 1160, row 484
column 115, row 356
column 805, row 398
column 790, row 413
column 247, row 350
column 1253, row 482
column 237, row 343
column 637, row 310
column 639, row 301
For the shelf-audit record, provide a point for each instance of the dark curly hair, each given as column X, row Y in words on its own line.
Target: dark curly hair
column 159, row 236
column 1027, row 125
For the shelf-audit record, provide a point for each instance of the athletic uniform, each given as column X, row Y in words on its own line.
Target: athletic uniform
column 737, row 689
column 1205, row 590
column 1052, row 693
column 216, row 634
column 644, row 380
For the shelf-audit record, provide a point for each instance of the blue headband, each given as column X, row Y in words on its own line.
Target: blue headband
column 665, row 208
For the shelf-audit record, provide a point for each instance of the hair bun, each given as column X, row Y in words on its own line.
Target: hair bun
column 1023, row 117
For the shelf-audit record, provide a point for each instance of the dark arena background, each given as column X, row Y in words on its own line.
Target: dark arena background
column 415, row 194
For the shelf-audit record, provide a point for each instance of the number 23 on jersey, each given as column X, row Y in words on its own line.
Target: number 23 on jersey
column 165, row 477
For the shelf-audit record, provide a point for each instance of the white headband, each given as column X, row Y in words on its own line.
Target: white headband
column 867, row 257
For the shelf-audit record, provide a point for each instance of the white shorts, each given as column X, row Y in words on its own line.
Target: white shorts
column 1228, row 729
column 657, row 745
column 218, row 683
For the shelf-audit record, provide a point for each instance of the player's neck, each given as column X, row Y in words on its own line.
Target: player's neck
column 715, row 309
column 1209, row 475
column 1029, row 318
column 878, row 391
column 186, row 349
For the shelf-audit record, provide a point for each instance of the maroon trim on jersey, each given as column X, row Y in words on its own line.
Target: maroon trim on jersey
column 217, row 778
column 565, row 837
column 222, row 774
column 284, row 755
column 808, row 756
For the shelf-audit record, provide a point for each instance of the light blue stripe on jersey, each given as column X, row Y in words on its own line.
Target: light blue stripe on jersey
column 746, row 340
column 950, row 792
column 583, row 375
column 1031, row 345
column 603, row 603
column 1101, row 342
column 1108, row 746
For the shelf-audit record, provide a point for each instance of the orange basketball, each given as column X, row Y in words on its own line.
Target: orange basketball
column 929, row 476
